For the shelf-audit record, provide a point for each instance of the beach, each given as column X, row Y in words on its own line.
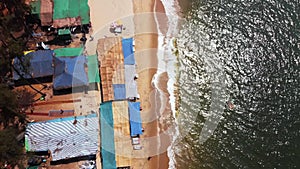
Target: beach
column 154, row 94
column 140, row 22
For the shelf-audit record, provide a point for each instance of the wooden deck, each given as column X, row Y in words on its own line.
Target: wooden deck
column 81, row 103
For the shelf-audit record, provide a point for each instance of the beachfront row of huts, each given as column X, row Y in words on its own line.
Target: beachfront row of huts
column 109, row 132
column 61, row 13
column 82, row 136
column 67, row 66
column 119, row 116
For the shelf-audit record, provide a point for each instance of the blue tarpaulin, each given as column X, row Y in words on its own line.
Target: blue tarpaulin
column 127, row 48
column 119, row 91
column 70, row 72
column 107, row 136
column 135, row 118
column 39, row 62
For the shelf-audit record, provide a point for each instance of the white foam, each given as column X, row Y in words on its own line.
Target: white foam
column 166, row 63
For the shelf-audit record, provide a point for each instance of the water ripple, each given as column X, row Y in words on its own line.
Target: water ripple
column 258, row 42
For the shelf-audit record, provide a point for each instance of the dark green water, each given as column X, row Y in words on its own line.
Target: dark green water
column 255, row 42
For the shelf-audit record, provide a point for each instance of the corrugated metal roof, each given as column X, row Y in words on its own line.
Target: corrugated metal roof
column 63, row 137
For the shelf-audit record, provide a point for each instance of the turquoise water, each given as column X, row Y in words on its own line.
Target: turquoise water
column 246, row 54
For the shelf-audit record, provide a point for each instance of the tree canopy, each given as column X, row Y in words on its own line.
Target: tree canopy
column 10, row 150
column 13, row 33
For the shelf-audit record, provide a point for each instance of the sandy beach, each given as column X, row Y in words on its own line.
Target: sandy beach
column 138, row 18
column 146, row 36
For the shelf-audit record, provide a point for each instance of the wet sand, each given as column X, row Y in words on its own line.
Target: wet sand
column 139, row 20
column 146, row 57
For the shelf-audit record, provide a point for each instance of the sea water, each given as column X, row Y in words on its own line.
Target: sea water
column 246, row 55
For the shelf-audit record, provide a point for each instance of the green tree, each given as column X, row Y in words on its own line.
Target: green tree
column 11, row 103
column 25, row 99
column 9, row 107
column 14, row 35
column 11, row 151
column 13, row 32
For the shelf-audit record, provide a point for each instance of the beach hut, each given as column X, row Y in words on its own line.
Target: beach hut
column 70, row 72
column 61, row 13
column 128, row 51
column 65, row 138
column 130, row 82
column 116, row 132
column 107, row 136
column 34, row 65
column 65, row 52
column 70, row 13
column 135, row 119
column 46, row 12
column 111, row 71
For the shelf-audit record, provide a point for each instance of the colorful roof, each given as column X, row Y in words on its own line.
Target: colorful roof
column 130, row 83
column 127, row 47
column 107, row 136
column 135, row 118
column 93, row 69
column 64, row 137
column 72, row 9
column 62, row 12
column 69, row 72
column 68, row 52
column 39, row 62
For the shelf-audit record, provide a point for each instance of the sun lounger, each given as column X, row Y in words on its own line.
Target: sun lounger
column 137, row 147
column 135, row 140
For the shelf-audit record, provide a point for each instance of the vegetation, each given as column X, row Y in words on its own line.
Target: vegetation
column 11, row 151
column 8, row 105
column 12, row 121
column 14, row 35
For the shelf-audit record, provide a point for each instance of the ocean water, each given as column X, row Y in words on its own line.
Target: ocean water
column 239, row 78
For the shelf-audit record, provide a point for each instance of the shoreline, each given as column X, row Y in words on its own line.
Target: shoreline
column 146, row 31
column 168, row 78
column 149, row 46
